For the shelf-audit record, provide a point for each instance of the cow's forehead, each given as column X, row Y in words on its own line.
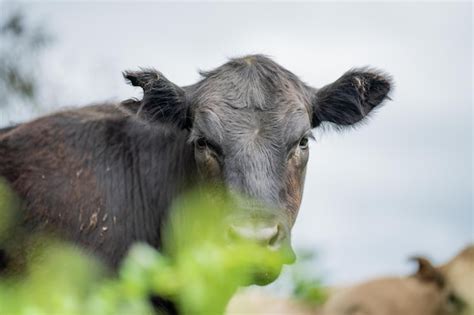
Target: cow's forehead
column 250, row 98
column 251, row 82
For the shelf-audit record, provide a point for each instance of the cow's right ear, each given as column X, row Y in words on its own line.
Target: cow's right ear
column 163, row 101
column 427, row 272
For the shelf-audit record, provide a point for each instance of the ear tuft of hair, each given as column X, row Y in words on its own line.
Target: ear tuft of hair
column 141, row 78
column 373, row 86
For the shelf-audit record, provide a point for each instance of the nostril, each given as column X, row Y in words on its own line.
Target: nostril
column 275, row 239
column 266, row 236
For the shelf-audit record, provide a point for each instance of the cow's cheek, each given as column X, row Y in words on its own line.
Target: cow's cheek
column 294, row 184
column 208, row 167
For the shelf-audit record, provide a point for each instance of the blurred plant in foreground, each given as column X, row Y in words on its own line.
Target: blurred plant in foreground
column 197, row 270
column 307, row 288
column 8, row 204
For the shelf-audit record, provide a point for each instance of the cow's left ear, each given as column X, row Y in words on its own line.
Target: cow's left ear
column 427, row 272
column 162, row 100
column 350, row 98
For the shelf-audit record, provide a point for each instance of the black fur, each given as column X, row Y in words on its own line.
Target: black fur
column 7, row 129
column 158, row 90
column 351, row 98
column 98, row 176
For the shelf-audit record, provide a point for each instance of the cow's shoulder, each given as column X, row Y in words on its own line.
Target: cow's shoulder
column 66, row 118
column 57, row 142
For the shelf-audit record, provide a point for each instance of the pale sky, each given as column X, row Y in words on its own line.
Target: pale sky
column 399, row 185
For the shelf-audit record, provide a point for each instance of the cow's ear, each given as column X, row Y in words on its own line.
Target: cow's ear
column 427, row 272
column 162, row 100
column 350, row 98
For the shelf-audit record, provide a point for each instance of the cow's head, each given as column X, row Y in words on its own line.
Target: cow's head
column 250, row 122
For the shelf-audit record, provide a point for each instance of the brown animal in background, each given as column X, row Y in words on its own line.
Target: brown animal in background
column 445, row 290
column 459, row 273
column 255, row 303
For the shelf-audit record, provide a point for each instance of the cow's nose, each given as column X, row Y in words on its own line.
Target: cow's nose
column 268, row 235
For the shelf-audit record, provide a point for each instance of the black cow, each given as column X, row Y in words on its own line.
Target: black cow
column 104, row 176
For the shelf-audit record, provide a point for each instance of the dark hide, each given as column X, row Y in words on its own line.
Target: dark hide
column 6, row 129
column 98, row 175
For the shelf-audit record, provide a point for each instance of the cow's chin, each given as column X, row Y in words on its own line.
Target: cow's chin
column 264, row 277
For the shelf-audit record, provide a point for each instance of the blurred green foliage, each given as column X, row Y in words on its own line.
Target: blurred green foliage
column 8, row 204
column 307, row 286
column 196, row 270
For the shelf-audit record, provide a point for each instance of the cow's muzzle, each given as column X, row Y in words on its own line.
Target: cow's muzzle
column 261, row 228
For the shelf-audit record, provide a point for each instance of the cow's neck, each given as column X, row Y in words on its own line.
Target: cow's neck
column 156, row 166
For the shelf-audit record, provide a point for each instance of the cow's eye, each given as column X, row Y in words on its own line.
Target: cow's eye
column 304, row 143
column 201, row 143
